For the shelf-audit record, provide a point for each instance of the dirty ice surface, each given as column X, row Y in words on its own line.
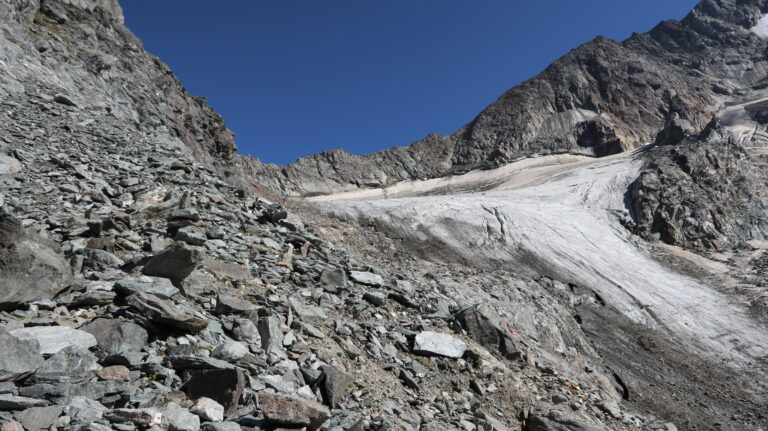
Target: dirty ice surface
column 558, row 216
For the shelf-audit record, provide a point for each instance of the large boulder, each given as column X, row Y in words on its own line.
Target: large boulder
column 176, row 262
column 31, row 267
column 117, row 336
column 436, row 344
column 293, row 412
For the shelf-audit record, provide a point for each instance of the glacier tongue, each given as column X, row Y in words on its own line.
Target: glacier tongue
column 559, row 216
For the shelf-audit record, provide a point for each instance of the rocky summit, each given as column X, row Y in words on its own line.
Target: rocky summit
column 589, row 253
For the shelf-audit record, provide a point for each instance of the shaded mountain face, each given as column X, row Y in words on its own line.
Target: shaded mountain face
column 80, row 50
column 602, row 98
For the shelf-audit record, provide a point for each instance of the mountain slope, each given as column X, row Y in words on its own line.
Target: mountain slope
column 602, row 98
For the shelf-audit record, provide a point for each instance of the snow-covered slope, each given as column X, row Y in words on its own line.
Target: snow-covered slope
column 559, row 216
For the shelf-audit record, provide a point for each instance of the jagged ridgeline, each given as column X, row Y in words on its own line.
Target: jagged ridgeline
column 147, row 284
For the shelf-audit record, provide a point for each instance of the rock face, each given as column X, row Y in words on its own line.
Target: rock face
column 20, row 357
column 601, row 98
column 701, row 192
column 31, row 268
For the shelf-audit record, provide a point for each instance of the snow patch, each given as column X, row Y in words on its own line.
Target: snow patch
column 761, row 28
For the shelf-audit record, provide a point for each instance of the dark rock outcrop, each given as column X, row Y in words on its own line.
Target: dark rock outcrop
column 700, row 192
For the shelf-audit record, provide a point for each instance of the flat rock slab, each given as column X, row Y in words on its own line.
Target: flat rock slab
column 367, row 278
column 52, row 339
column 117, row 336
column 436, row 344
column 166, row 312
column 285, row 410
column 160, row 287
column 19, row 357
column 12, row 402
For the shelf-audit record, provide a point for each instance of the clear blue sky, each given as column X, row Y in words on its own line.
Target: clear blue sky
column 293, row 77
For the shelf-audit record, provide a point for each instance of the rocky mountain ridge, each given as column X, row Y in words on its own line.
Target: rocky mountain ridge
column 602, row 98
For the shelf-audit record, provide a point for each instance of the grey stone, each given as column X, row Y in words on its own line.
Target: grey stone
column 20, row 357
column 160, row 287
column 176, row 262
column 84, row 410
column 117, row 336
column 39, row 418
column 69, row 365
column 163, row 311
column 367, row 278
column 307, row 313
column 143, row 416
column 230, row 351
column 227, row 304
column 436, row 344
column 9, row 165
column 220, row 426
column 186, row 362
column 222, row 386
column 271, row 335
column 333, row 279
column 31, row 267
column 191, row 235
column 52, row 339
column 208, row 410
column 13, row 402
column 334, row 385
column 177, row 418
column 286, row 410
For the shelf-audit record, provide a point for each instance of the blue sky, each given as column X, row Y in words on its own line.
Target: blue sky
column 294, row 77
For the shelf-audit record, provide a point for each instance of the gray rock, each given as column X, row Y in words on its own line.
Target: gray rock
column 333, row 279
column 271, row 335
column 13, row 402
column 84, row 410
column 8, row 388
column 20, row 357
column 307, row 313
column 220, row 426
column 39, row 418
column 376, row 298
column 286, row 410
column 192, row 235
column 9, row 165
column 227, row 304
column 162, row 311
column 160, row 287
column 177, row 418
column 117, row 336
column 208, row 410
column 31, row 267
column 367, row 278
column 230, row 351
column 436, row 344
column 222, row 386
column 69, row 365
column 185, row 362
column 176, row 262
column 143, row 416
column 52, row 339
column 334, row 385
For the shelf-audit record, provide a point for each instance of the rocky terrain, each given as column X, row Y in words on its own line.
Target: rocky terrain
column 147, row 283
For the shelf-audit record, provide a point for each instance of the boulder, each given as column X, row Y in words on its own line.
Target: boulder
column 71, row 364
column 13, row 402
column 222, row 386
column 160, row 287
column 176, row 262
column 230, row 351
column 52, row 339
column 334, row 385
column 31, row 267
column 486, row 327
column 208, row 410
column 290, row 411
column 436, row 344
column 177, row 418
column 367, row 278
column 84, row 410
column 117, row 336
column 226, row 304
column 39, row 418
column 19, row 358
column 9, row 165
column 165, row 312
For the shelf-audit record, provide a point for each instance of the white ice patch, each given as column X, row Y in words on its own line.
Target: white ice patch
column 761, row 28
